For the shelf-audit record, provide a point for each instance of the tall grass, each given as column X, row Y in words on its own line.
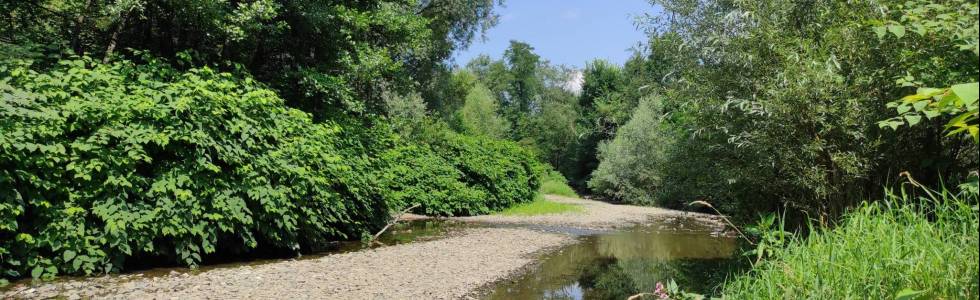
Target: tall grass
column 920, row 246
column 553, row 183
column 540, row 206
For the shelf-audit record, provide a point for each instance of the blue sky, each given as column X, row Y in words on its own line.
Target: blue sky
column 569, row 32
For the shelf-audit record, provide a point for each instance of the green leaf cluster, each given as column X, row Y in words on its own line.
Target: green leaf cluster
column 455, row 174
column 959, row 101
column 100, row 163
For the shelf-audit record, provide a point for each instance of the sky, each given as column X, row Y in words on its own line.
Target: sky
column 568, row 32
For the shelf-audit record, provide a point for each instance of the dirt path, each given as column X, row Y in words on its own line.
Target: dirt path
column 454, row 267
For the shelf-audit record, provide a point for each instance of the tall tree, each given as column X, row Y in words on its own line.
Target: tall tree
column 324, row 56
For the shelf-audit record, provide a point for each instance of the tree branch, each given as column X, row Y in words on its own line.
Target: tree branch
column 392, row 222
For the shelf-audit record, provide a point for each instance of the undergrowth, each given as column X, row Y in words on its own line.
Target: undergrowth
column 553, row 183
column 919, row 246
column 540, row 206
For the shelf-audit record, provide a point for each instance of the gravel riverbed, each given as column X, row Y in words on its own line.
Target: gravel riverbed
column 457, row 266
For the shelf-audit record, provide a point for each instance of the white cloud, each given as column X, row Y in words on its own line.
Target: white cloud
column 574, row 83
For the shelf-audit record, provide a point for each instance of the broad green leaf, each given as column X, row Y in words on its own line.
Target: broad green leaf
column 958, row 121
column 920, row 105
column 915, row 97
column 913, row 119
column 69, row 255
column 904, row 108
column 880, row 31
column 893, row 124
column 897, row 30
column 967, row 91
column 37, row 272
column 929, row 92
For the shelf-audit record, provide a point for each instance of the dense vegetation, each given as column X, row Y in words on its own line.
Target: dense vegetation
column 106, row 161
column 763, row 111
column 917, row 245
column 174, row 131
column 788, row 107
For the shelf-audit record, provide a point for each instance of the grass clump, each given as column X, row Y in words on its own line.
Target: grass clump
column 922, row 247
column 553, row 183
column 540, row 206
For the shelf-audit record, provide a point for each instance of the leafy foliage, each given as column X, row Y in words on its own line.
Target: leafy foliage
column 763, row 111
column 325, row 57
column 479, row 115
column 417, row 175
column 102, row 162
column 506, row 172
column 540, row 206
column 959, row 101
column 553, row 183
column 105, row 160
column 632, row 163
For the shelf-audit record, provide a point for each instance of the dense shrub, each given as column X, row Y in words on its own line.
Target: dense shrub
column 102, row 162
column 415, row 174
column 505, row 171
column 763, row 112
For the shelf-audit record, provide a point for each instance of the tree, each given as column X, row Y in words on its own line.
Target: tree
column 525, row 85
column 326, row 57
column 479, row 115
column 777, row 102
column 631, row 164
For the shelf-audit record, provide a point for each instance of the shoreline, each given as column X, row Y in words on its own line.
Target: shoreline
column 463, row 264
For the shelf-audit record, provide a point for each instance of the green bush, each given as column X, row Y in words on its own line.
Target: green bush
column 102, row 162
column 448, row 173
column 417, row 175
column 899, row 246
column 503, row 170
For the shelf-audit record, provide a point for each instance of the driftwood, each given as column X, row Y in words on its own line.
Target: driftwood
column 723, row 217
column 392, row 222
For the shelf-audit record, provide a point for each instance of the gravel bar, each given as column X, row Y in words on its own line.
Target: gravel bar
column 459, row 266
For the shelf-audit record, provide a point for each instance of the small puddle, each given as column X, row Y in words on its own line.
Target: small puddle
column 616, row 265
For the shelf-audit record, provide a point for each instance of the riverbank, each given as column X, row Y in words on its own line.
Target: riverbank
column 460, row 265
column 594, row 215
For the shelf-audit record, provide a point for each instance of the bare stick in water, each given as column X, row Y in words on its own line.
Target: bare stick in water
column 392, row 222
column 723, row 217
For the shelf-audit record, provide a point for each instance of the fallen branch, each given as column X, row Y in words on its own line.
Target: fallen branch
column 723, row 217
column 392, row 222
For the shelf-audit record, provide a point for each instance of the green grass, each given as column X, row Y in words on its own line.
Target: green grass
column 553, row 183
column 928, row 245
column 540, row 206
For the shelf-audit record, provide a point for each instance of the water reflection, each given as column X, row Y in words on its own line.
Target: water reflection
column 617, row 265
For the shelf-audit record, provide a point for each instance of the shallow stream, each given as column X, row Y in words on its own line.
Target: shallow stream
column 616, row 265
